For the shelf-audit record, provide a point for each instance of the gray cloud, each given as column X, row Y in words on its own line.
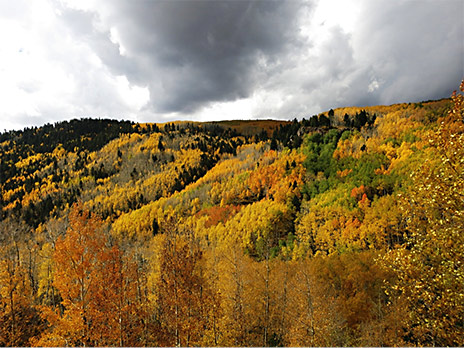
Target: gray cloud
column 415, row 47
column 398, row 51
column 191, row 53
column 260, row 59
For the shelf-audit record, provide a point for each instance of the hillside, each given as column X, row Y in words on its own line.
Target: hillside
column 341, row 229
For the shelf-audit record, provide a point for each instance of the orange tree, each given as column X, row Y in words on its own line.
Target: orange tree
column 86, row 276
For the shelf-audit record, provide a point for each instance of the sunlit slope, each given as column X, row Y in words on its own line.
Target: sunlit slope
column 296, row 233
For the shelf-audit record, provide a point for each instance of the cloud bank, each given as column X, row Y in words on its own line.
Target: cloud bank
column 153, row 60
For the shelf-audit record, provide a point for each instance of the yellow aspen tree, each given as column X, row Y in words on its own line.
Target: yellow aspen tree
column 234, row 285
column 19, row 319
column 430, row 266
column 183, row 294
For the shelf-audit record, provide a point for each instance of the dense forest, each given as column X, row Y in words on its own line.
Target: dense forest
column 342, row 229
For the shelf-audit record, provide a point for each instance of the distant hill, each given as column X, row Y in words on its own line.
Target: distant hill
column 251, row 127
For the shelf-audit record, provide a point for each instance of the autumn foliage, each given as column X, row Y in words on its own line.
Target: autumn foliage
column 344, row 229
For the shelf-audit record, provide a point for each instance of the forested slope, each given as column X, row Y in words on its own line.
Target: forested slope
column 342, row 229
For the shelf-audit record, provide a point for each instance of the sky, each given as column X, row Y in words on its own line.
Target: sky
column 159, row 61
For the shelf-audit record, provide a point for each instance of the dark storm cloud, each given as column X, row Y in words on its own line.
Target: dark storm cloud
column 155, row 60
column 191, row 53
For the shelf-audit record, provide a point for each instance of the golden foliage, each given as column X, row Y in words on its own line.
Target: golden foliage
column 430, row 266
